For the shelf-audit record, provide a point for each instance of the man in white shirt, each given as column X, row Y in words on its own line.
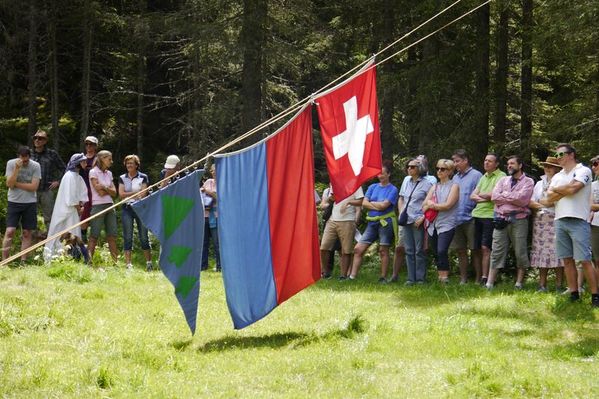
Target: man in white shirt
column 341, row 225
column 570, row 191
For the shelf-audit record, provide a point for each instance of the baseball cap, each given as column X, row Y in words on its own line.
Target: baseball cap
column 91, row 139
column 171, row 162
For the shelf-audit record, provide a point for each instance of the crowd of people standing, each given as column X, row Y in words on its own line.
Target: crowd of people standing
column 84, row 187
column 480, row 216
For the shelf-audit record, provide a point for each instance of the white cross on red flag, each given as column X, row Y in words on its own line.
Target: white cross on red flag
column 349, row 126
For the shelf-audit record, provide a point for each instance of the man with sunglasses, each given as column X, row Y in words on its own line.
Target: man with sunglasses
column 52, row 171
column 570, row 191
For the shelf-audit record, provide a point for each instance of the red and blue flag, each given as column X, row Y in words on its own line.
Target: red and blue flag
column 267, row 222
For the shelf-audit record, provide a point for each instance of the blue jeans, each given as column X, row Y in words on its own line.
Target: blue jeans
column 440, row 243
column 127, row 217
column 415, row 256
column 210, row 232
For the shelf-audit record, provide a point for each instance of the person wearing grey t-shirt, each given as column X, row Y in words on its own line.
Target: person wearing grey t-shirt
column 22, row 179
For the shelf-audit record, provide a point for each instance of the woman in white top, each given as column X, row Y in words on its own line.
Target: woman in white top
column 542, row 255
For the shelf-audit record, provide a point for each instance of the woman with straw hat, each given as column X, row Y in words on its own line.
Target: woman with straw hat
column 542, row 255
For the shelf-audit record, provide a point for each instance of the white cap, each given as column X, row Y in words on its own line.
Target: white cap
column 91, row 139
column 171, row 162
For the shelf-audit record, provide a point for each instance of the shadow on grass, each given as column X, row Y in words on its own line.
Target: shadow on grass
column 578, row 311
column 355, row 326
column 586, row 347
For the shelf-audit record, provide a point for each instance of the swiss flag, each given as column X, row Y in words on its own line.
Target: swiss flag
column 349, row 126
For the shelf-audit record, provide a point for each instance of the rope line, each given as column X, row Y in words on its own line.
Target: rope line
column 276, row 118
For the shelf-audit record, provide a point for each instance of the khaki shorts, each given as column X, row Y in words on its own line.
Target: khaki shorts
column 464, row 236
column 344, row 231
column 106, row 221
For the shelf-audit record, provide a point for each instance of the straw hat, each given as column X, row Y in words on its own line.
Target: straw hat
column 551, row 161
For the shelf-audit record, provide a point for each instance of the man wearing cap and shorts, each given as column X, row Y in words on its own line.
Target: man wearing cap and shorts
column 341, row 226
column 467, row 179
column 570, row 191
column 52, row 171
column 22, row 179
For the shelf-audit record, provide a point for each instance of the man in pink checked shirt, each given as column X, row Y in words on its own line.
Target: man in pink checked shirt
column 511, row 196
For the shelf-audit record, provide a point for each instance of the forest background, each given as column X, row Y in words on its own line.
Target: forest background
column 187, row 76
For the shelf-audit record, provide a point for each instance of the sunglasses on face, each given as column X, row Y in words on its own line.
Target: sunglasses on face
column 441, row 169
column 412, row 166
column 595, row 164
column 39, row 138
column 560, row 154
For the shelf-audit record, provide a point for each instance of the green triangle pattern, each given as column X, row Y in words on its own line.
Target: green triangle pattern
column 174, row 211
column 185, row 285
column 179, row 254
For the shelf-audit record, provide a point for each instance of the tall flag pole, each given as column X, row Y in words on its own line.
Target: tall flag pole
column 267, row 225
column 349, row 125
column 175, row 215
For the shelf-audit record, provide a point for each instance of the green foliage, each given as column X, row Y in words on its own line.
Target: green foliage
column 385, row 340
column 166, row 77
column 69, row 271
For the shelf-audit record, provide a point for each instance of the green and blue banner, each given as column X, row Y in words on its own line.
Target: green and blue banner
column 175, row 215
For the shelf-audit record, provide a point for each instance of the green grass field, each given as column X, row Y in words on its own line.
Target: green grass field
column 71, row 331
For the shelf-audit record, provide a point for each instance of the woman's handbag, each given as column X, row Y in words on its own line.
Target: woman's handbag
column 403, row 216
column 431, row 214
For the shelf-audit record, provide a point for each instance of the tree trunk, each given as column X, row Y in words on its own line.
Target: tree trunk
column 253, row 38
column 481, row 123
column 428, row 105
column 32, row 71
column 526, row 81
column 141, row 76
column 389, row 69
column 53, row 69
column 501, row 74
column 86, row 69
column 412, row 106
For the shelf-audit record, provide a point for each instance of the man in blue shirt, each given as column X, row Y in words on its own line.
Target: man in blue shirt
column 467, row 178
column 380, row 200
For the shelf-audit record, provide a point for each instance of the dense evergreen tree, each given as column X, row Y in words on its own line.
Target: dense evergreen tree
column 186, row 76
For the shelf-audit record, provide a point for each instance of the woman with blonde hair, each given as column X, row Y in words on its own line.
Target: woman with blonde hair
column 130, row 184
column 103, row 191
column 442, row 198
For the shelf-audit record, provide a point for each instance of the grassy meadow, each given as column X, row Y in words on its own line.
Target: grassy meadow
column 71, row 331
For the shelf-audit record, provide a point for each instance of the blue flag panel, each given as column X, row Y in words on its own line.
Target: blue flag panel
column 175, row 215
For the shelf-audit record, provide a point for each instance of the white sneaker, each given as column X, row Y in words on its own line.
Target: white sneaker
column 129, row 266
